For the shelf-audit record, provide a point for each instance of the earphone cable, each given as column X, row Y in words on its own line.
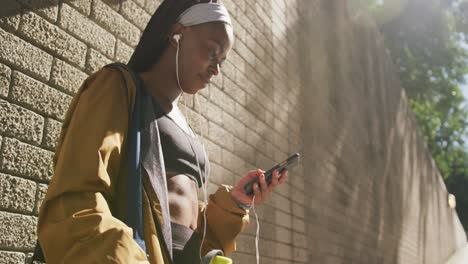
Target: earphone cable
column 204, row 184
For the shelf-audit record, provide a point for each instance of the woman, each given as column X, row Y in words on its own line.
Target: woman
column 86, row 216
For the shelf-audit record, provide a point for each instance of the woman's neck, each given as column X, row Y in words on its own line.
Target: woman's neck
column 162, row 84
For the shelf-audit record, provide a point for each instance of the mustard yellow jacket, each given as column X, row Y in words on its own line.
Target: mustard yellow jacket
column 79, row 217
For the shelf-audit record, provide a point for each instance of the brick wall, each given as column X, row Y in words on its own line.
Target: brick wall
column 374, row 193
column 302, row 76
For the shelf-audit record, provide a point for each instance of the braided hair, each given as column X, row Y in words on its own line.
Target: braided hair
column 154, row 39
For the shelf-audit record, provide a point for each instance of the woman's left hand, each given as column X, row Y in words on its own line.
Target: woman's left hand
column 261, row 192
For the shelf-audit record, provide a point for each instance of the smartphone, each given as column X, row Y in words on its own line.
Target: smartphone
column 285, row 165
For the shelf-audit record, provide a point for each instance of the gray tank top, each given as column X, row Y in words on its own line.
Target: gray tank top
column 181, row 151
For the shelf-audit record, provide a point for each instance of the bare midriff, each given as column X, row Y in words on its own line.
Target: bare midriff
column 183, row 200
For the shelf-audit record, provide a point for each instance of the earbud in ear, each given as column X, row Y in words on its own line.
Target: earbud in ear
column 176, row 37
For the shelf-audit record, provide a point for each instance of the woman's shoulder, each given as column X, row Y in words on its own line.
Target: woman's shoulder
column 111, row 80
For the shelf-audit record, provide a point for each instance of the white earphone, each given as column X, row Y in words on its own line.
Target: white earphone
column 176, row 37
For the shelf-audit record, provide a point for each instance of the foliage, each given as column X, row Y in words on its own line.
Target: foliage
column 425, row 39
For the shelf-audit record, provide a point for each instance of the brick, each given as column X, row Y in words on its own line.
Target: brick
column 234, row 126
column 283, row 251
column 5, row 76
column 17, row 194
column 222, row 100
column 233, row 163
column 283, row 235
column 245, row 116
column 41, row 192
column 115, row 23
column 197, row 122
column 300, row 255
column 231, row 7
column 38, row 96
column 281, row 202
column 245, row 244
column 95, row 61
column 220, row 136
column 45, row 8
column 234, row 91
column 123, row 52
column 86, row 30
column 10, row 14
column 244, row 52
column 199, row 102
column 135, row 14
column 84, row 6
column 53, row 39
column 114, row 4
column 298, row 225
column 213, row 113
column 243, row 258
column 52, row 133
column 298, row 197
column 25, row 56
column 299, row 240
column 18, row 231
column 239, row 31
column 186, row 101
column 283, row 219
column 142, row 3
column 67, row 77
column 214, row 151
column 7, row 257
column 244, row 150
column 219, row 175
column 22, row 159
column 20, row 122
column 298, row 210
column 254, row 139
column 217, row 81
column 152, row 5
column 236, row 60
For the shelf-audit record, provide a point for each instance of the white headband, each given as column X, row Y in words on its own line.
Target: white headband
column 203, row 13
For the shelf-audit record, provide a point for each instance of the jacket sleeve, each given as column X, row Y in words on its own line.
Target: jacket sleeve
column 75, row 220
column 224, row 221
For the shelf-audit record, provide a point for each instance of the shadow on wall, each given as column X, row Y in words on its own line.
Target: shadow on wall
column 375, row 195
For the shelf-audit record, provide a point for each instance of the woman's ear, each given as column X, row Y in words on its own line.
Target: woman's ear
column 176, row 34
